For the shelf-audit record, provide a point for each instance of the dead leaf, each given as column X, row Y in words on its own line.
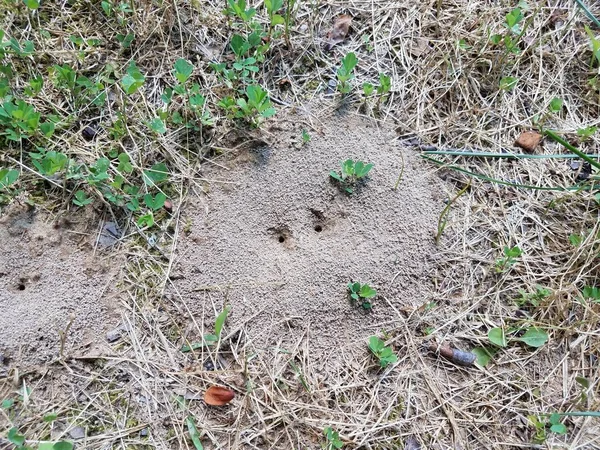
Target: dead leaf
column 528, row 140
column 341, row 26
column 218, row 396
column 420, row 46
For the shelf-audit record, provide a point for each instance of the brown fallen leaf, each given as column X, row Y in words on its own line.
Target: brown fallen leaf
column 528, row 140
column 218, row 396
column 341, row 26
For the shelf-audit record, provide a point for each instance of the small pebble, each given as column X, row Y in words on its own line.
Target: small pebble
column 113, row 335
column 77, row 433
column 89, row 132
column 144, row 432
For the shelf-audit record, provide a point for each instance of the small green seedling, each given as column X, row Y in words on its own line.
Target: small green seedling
column 352, row 172
column 508, row 83
column 361, row 294
column 333, row 439
column 591, row 293
column 509, row 259
column 305, row 137
column 345, row 72
column 533, row 298
column 586, row 132
column 555, row 424
column 209, row 339
column 133, row 79
column 385, row 355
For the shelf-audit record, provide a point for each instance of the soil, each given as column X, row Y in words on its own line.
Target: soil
column 278, row 240
column 49, row 276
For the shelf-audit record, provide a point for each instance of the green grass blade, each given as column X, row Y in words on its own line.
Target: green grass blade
column 581, row 414
column 504, row 155
column 194, row 434
column 555, row 137
column 442, row 220
column 588, row 13
column 505, row 183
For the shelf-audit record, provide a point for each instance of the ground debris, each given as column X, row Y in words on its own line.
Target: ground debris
column 412, row 444
column 341, row 26
column 454, row 355
column 528, row 140
column 218, row 396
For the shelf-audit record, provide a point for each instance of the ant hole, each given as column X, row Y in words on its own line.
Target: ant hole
column 21, row 287
column 281, row 239
column 318, row 228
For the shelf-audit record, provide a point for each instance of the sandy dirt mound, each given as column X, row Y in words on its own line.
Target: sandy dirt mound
column 276, row 237
column 48, row 275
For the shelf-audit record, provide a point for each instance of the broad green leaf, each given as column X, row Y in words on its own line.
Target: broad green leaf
column 556, row 104
column 193, row 431
column 367, row 291
column 583, row 382
column 277, row 20
column 7, row 403
column 60, row 445
column 8, row 177
column 363, row 170
column 376, row 344
column 348, row 168
column 156, row 174
column 32, row 4
column 239, row 45
column 335, row 176
column 157, row 125
column 81, row 199
column 133, row 79
column 368, row 89
column 15, row 438
column 497, row 336
column 147, row 220
column 183, row 70
column 484, row 355
column 534, row 337
column 155, row 203
column 558, row 428
column 349, row 62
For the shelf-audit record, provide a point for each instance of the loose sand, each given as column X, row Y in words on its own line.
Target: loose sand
column 276, row 239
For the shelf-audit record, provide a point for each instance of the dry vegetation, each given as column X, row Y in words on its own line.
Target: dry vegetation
column 446, row 76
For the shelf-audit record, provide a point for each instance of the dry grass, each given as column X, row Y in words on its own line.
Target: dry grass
column 442, row 95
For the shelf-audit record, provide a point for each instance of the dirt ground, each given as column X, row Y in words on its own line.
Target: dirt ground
column 165, row 191
column 56, row 286
column 274, row 238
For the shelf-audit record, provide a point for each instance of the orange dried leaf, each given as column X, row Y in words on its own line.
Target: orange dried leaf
column 528, row 140
column 341, row 26
column 218, row 396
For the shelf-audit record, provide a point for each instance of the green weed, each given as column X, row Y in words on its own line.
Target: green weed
column 345, row 72
column 8, row 177
column 209, row 339
column 385, row 355
column 533, row 337
column 533, row 299
column 352, row 172
column 509, row 259
column 333, row 440
column 361, row 294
